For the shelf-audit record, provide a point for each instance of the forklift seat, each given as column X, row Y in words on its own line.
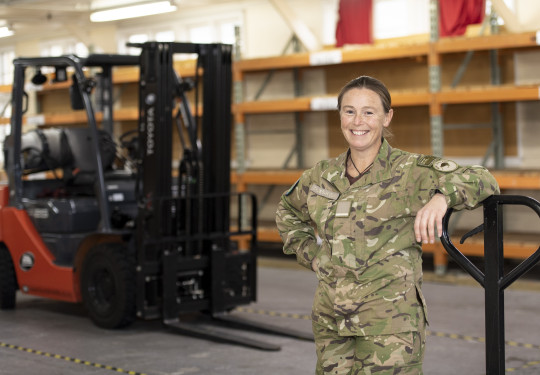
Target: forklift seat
column 82, row 150
column 64, row 206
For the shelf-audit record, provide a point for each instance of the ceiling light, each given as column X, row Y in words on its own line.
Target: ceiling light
column 132, row 11
column 5, row 31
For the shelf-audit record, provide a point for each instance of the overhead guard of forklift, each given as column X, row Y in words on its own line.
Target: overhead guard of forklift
column 66, row 148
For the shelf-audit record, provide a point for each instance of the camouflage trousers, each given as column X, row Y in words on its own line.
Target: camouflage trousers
column 385, row 354
column 401, row 353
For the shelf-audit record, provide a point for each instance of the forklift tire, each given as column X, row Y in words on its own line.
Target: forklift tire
column 8, row 280
column 108, row 285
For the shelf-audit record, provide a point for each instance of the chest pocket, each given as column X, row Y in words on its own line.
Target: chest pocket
column 382, row 209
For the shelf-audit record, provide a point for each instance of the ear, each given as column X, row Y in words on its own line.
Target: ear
column 388, row 118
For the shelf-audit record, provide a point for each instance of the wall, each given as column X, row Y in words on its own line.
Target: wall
column 266, row 33
column 526, row 73
column 527, row 13
column 271, row 137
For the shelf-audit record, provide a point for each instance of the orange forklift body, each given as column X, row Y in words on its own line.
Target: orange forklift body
column 43, row 278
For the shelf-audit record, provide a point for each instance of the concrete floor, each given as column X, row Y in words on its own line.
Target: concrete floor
column 53, row 338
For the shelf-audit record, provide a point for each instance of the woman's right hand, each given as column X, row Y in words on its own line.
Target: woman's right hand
column 429, row 219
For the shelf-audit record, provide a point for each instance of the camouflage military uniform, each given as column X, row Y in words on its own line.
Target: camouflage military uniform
column 369, row 263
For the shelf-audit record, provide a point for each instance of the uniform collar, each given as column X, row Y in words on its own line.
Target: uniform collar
column 380, row 171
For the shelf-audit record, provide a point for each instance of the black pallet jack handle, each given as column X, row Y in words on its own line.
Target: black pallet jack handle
column 493, row 279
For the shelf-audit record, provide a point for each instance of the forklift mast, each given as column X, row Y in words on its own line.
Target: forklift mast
column 184, row 222
column 159, row 84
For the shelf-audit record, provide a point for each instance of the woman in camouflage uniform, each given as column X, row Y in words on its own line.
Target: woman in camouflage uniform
column 358, row 221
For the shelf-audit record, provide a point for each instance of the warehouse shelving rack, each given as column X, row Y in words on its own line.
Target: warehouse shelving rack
column 429, row 53
column 432, row 53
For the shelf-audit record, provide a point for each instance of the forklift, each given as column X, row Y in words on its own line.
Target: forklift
column 148, row 237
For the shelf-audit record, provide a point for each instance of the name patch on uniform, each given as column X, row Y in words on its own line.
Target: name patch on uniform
column 323, row 192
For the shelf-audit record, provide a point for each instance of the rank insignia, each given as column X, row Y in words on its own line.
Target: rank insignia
column 426, row 160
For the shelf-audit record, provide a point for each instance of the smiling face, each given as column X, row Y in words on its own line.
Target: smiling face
column 363, row 119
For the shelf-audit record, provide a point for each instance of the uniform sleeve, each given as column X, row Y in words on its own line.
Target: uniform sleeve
column 294, row 223
column 466, row 187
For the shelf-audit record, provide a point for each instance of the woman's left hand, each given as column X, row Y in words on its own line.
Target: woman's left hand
column 428, row 217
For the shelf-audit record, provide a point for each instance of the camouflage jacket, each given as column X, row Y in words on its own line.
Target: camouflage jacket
column 363, row 234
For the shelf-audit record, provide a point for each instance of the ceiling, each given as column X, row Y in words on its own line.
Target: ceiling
column 23, row 14
column 28, row 17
